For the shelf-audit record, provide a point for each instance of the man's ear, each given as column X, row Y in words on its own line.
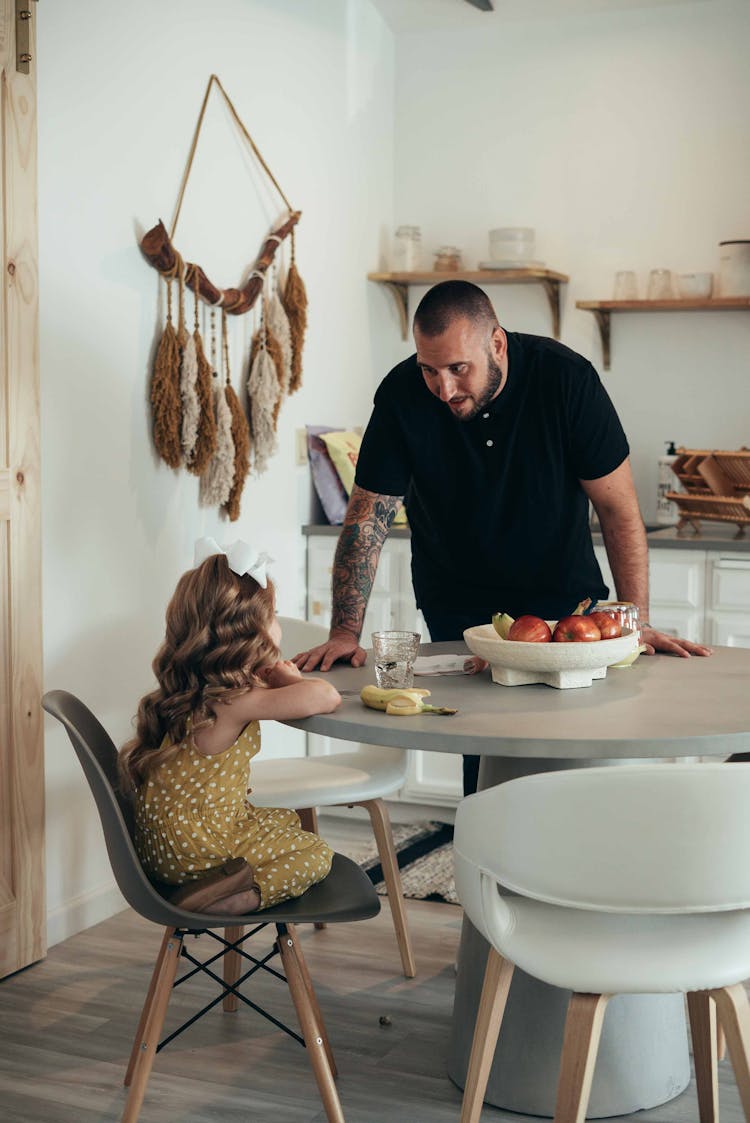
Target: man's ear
column 499, row 345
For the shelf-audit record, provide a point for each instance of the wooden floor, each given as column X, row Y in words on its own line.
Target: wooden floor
column 66, row 1026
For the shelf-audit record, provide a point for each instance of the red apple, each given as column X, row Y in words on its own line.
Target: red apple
column 576, row 629
column 530, row 629
column 609, row 626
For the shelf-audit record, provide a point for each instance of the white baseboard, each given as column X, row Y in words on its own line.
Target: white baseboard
column 81, row 912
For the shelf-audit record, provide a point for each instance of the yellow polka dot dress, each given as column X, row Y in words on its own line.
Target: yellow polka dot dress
column 192, row 814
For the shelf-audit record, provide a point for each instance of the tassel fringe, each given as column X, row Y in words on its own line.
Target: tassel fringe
column 165, row 398
column 205, row 442
column 294, row 300
column 241, row 441
column 263, row 392
column 273, row 346
column 216, row 481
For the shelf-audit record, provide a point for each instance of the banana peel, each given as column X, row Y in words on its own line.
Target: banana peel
column 400, row 702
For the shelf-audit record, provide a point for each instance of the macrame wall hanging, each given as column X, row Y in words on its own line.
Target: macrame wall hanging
column 199, row 422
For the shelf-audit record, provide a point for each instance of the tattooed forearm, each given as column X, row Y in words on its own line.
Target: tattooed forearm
column 368, row 519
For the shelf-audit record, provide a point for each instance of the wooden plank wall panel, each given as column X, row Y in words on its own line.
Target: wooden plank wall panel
column 21, row 751
column 4, row 476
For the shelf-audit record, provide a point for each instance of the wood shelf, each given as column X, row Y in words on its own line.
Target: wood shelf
column 602, row 309
column 398, row 284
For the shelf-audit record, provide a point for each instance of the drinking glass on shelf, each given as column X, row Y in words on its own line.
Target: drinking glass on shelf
column 626, row 285
column 660, row 285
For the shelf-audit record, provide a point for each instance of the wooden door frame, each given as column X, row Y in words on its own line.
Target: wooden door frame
column 22, row 887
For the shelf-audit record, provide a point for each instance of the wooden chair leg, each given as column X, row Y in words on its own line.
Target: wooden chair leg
column 297, row 947
column 232, row 965
column 702, row 1013
column 135, row 1051
column 308, row 817
column 721, row 1041
column 497, row 979
column 583, row 1027
column 314, row 1037
column 381, row 825
column 152, row 1029
column 734, row 1012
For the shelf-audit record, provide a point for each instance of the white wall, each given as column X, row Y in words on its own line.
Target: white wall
column 622, row 138
column 120, row 86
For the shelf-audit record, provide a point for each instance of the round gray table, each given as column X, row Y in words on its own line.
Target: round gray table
column 661, row 707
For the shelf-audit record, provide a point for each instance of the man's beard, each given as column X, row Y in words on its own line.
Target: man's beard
column 494, row 382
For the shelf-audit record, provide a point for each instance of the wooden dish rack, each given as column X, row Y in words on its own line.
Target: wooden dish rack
column 716, row 487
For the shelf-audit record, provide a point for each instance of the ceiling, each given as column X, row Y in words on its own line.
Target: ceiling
column 435, row 15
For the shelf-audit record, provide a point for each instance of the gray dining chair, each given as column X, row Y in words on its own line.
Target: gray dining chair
column 345, row 895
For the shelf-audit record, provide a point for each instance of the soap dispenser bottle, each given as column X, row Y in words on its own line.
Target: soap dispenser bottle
column 666, row 511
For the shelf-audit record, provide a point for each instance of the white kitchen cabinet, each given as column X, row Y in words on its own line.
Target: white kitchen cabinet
column 728, row 615
column 433, row 778
column 677, row 583
column 700, row 595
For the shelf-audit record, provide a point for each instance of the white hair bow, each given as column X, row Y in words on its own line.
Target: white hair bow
column 241, row 558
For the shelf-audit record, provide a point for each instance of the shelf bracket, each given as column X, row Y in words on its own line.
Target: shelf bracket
column 400, row 292
column 552, row 289
column 601, row 315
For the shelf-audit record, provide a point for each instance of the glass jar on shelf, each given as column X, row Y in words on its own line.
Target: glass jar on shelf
column 407, row 250
column 448, row 259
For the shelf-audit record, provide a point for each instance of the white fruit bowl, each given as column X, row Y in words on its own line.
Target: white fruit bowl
column 561, row 665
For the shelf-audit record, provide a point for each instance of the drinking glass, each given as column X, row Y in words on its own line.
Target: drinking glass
column 394, row 654
column 626, row 285
column 624, row 612
column 660, row 285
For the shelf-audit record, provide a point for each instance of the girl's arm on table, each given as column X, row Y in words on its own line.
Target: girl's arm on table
column 287, row 694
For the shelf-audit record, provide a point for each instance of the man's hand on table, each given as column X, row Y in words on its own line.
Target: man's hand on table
column 671, row 645
column 341, row 647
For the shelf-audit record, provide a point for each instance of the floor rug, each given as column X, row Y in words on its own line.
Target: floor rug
column 425, row 859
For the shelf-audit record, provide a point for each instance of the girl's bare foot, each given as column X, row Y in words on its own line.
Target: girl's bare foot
column 237, row 904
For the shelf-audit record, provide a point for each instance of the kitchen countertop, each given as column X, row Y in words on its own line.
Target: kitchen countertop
column 714, row 536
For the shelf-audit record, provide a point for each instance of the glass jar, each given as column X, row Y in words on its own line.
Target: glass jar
column 448, row 259
column 407, row 249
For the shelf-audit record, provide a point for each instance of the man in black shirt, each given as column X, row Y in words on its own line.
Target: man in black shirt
column 496, row 441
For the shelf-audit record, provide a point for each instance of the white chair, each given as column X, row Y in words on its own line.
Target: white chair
column 361, row 778
column 630, row 879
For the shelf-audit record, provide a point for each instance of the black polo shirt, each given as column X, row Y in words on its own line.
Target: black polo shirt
column 499, row 521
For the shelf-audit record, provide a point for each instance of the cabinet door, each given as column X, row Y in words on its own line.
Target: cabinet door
column 729, row 600
column 730, row 629
column 677, row 580
column 434, row 778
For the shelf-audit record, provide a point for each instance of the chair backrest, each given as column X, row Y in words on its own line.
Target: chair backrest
column 298, row 635
column 98, row 758
column 660, row 838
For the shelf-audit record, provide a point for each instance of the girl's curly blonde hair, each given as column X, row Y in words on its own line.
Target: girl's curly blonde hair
column 216, row 644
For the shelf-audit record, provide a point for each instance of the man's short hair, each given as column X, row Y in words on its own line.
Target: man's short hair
column 452, row 300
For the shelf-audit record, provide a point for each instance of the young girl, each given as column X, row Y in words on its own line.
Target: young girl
column 219, row 673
